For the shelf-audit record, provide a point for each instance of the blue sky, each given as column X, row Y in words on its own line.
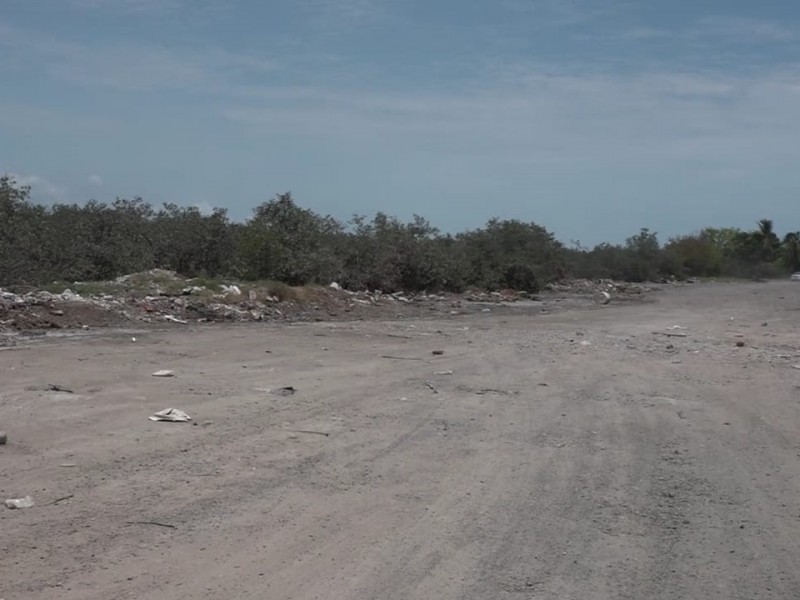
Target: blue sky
column 592, row 118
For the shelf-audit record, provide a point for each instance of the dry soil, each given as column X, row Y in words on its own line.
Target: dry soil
column 581, row 454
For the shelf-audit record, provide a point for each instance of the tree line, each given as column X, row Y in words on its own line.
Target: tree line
column 284, row 242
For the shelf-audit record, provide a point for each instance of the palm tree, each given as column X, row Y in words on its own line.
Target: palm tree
column 767, row 239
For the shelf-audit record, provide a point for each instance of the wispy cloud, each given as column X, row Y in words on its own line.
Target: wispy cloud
column 132, row 66
column 146, row 7
column 559, row 119
column 745, row 30
column 42, row 189
column 565, row 13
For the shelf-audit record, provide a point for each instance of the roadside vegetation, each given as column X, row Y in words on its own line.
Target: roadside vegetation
column 283, row 242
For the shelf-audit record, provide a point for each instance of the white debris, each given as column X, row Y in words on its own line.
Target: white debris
column 173, row 415
column 172, row 319
column 26, row 502
column 164, row 373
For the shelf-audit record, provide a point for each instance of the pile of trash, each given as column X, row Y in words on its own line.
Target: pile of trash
column 160, row 296
column 593, row 286
column 163, row 296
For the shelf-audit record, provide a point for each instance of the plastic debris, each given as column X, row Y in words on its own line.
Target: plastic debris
column 14, row 503
column 283, row 391
column 173, row 319
column 601, row 298
column 164, row 373
column 173, row 415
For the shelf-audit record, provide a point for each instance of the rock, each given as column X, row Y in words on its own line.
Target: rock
column 740, row 344
column 3, row 438
column 335, row 286
column 437, row 352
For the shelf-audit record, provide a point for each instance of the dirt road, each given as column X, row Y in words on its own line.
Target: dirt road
column 571, row 455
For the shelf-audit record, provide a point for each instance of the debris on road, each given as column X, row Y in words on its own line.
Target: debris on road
column 431, row 387
column 311, row 432
column 671, row 334
column 57, row 500
column 740, row 344
column 601, row 298
column 400, row 357
column 173, row 415
column 164, row 373
column 3, row 438
column 283, row 391
column 19, row 503
column 156, row 523
column 174, row 319
column 57, row 388
column 437, row 352
column 443, row 373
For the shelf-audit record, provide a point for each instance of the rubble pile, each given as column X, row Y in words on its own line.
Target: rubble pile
column 160, row 296
column 592, row 286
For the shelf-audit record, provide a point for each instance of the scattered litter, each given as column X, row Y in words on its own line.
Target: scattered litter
column 164, row 373
column 173, row 415
column 231, row 289
column 674, row 327
column 601, row 298
column 68, row 465
column 431, row 387
column 310, row 432
column 13, row 503
column 585, row 343
column 57, row 388
column 175, row 320
column 437, row 352
column 335, row 286
column 740, row 344
column 157, row 524
column 484, row 391
column 133, row 339
column 670, row 334
column 443, row 373
column 283, row 391
column 57, row 500
column 3, row 438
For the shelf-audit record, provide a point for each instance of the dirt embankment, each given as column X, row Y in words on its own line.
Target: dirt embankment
column 164, row 297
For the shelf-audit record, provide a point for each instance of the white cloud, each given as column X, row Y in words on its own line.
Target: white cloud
column 745, row 29
column 96, row 180
column 129, row 6
column 205, row 208
column 41, row 188
column 634, row 119
column 132, row 66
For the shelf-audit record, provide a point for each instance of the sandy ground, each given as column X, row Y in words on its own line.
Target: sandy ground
column 570, row 455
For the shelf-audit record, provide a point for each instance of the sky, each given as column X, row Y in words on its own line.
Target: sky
column 591, row 118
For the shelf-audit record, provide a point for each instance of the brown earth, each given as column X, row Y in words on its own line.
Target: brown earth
column 574, row 454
